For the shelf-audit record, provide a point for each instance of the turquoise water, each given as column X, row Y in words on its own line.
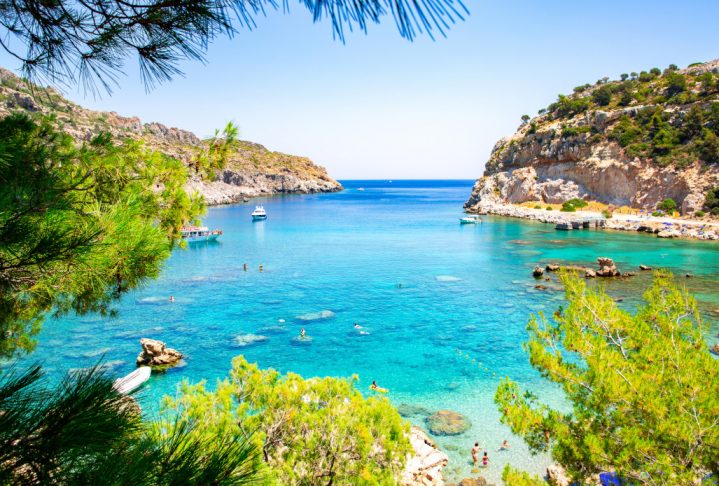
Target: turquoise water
column 431, row 294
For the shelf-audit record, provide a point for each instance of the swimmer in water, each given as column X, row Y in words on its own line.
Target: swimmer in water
column 302, row 332
column 505, row 445
column 357, row 326
column 374, row 386
column 172, row 298
column 475, row 453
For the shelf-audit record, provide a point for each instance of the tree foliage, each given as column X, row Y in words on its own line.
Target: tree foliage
column 84, row 432
column 310, row 431
column 89, row 40
column 79, row 226
column 643, row 388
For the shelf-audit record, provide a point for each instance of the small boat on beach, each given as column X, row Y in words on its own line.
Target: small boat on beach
column 193, row 234
column 259, row 214
column 470, row 219
column 133, row 381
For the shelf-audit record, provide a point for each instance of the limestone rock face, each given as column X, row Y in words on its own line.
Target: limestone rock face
column 155, row 353
column 252, row 169
column 447, row 422
column 424, row 468
column 556, row 158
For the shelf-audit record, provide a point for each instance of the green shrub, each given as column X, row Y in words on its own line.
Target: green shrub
column 712, row 198
column 578, row 203
column 607, row 214
column 548, row 208
column 668, row 205
column 568, row 208
column 656, row 214
column 699, row 214
column 537, row 206
column 715, row 212
column 603, row 95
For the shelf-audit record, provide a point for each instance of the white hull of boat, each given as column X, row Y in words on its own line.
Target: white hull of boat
column 133, row 381
column 201, row 239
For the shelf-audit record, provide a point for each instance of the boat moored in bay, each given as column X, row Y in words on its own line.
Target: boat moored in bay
column 259, row 213
column 193, row 234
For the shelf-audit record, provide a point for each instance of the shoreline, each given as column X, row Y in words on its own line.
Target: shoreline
column 663, row 227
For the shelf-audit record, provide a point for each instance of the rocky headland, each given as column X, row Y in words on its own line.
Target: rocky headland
column 251, row 170
column 629, row 144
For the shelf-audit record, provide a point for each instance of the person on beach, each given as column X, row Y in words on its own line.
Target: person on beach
column 504, row 446
column 475, row 453
column 485, row 459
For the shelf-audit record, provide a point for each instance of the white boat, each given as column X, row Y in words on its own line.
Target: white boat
column 470, row 219
column 192, row 234
column 259, row 213
column 134, row 380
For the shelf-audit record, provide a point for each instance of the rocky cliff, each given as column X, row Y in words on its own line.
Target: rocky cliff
column 632, row 142
column 251, row 170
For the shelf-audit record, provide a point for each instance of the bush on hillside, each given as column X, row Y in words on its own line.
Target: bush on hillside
column 668, row 206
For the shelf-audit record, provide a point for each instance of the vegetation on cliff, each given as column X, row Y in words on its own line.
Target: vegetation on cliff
column 310, row 431
column 643, row 388
column 670, row 116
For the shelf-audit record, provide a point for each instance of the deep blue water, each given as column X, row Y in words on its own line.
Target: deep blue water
column 444, row 306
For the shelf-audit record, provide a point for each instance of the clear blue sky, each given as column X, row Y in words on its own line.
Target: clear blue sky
column 381, row 107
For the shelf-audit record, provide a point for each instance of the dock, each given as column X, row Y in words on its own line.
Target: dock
column 581, row 222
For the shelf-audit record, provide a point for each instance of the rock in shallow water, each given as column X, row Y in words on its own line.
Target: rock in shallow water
column 243, row 340
column 408, row 410
column 447, row 422
column 155, row 353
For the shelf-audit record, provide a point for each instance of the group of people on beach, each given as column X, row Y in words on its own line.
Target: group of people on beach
column 485, row 458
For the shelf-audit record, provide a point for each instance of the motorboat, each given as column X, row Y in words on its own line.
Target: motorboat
column 194, row 234
column 470, row 219
column 259, row 214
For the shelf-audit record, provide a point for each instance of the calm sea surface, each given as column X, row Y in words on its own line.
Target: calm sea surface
column 444, row 306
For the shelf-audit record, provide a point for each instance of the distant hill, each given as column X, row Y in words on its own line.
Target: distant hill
column 251, row 171
column 635, row 141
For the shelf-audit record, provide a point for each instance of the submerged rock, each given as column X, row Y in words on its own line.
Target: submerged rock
column 155, row 353
column 552, row 267
column 447, row 422
column 314, row 316
column 243, row 340
column 424, row 468
column 408, row 410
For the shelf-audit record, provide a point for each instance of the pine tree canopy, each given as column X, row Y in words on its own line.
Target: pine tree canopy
column 642, row 389
column 88, row 41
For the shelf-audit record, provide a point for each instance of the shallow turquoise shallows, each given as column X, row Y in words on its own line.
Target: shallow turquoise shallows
column 443, row 306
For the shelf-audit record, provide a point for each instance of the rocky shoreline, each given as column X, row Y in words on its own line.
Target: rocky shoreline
column 662, row 227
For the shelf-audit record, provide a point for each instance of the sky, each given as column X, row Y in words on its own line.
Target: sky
column 381, row 107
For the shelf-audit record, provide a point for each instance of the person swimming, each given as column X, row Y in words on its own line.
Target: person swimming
column 475, row 453
column 302, row 332
column 485, row 459
column 172, row 298
column 374, row 386
column 357, row 326
column 505, row 445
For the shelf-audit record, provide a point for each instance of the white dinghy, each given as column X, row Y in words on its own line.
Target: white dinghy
column 134, row 380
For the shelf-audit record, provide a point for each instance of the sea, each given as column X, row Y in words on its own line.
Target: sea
column 443, row 307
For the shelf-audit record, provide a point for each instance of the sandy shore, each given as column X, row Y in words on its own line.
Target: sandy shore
column 663, row 227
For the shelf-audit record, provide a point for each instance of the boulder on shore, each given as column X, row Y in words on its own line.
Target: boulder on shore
column 557, row 475
column 644, row 267
column 537, row 272
column 155, row 353
column 424, row 468
column 447, row 422
column 552, row 267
